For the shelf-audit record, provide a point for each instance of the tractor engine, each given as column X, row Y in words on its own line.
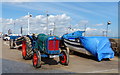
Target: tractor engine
column 48, row 44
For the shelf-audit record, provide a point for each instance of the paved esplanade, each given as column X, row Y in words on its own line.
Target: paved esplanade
column 12, row 62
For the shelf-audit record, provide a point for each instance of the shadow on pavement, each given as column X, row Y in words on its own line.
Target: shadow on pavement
column 49, row 61
column 9, row 66
column 89, row 56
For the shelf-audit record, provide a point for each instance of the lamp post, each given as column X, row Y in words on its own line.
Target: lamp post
column 29, row 15
column 108, row 23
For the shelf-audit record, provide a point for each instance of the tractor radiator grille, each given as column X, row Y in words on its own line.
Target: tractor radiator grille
column 53, row 45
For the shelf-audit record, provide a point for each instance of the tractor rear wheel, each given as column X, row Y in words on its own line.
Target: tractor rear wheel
column 27, row 52
column 64, row 59
column 36, row 59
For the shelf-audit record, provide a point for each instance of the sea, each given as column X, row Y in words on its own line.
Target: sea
column 114, row 37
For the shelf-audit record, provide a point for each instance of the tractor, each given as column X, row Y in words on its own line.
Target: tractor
column 15, row 41
column 44, row 46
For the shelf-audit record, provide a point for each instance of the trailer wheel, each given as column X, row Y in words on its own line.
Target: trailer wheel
column 64, row 59
column 11, row 43
column 36, row 59
column 27, row 52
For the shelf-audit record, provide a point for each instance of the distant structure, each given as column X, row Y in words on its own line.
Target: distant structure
column 104, row 33
column 9, row 31
column 21, row 31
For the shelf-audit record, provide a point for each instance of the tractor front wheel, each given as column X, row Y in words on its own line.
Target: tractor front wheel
column 64, row 59
column 36, row 59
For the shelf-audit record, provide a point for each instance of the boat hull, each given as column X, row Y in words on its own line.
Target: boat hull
column 75, row 46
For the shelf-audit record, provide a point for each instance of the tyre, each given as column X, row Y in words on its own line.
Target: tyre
column 11, row 43
column 27, row 52
column 64, row 59
column 6, row 39
column 36, row 59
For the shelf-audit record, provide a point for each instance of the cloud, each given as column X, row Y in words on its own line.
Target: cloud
column 90, row 29
column 83, row 22
column 100, row 24
column 38, row 24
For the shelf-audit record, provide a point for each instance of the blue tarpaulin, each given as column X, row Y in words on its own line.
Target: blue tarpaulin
column 100, row 47
column 73, row 35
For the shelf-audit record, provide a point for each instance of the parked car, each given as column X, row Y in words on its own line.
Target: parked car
column 6, row 37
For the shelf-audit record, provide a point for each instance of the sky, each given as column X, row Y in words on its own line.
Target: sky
column 62, row 15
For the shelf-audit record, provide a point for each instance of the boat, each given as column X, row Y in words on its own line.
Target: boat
column 98, row 46
column 73, row 42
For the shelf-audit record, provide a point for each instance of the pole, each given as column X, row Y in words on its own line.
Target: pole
column 54, row 29
column 70, row 28
column 103, row 33
column 47, row 23
column 108, row 23
column 50, row 32
column 107, row 31
column 85, row 30
column 28, row 23
column 21, row 31
column 14, row 27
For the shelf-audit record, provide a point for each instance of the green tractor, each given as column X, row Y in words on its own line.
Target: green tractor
column 44, row 46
